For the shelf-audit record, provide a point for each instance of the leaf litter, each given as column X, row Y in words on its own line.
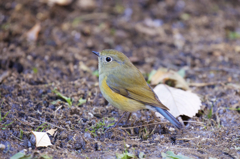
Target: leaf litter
column 178, row 101
column 42, row 139
column 172, row 34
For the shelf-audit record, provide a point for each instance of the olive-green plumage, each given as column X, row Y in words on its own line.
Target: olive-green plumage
column 123, row 85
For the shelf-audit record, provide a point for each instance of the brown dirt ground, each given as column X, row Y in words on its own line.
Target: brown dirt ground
column 202, row 37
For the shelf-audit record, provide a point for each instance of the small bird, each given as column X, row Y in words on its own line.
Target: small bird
column 123, row 85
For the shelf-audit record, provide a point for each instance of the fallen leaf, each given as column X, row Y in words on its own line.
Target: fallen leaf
column 141, row 155
column 84, row 67
column 151, row 75
column 150, row 31
column 62, row 2
column 46, row 157
column 178, row 101
column 237, row 49
column 164, row 75
column 81, row 101
column 51, row 131
column 4, row 75
column 68, row 100
column 182, row 72
column 21, row 155
column 86, row 5
column 202, row 84
column 58, row 2
column 32, row 34
column 171, row 155
column 42, row 139
column 125, row 155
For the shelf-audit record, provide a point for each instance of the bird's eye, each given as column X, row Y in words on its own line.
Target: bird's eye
column 108, row 59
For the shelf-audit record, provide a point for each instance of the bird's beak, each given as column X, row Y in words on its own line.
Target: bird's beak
column 96, row 53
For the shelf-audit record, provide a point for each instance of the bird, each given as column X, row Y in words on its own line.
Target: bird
column 124, row 86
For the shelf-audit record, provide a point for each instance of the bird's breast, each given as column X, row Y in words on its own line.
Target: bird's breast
column 117, row 100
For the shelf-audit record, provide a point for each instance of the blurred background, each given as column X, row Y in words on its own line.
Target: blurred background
column 153, row 33
column 47, row 45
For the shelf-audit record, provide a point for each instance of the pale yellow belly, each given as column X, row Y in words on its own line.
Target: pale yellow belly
column 119, row 101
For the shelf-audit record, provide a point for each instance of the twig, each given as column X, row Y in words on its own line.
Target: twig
column 158, row 123
column 16, row 138
column 197, row 122
column 188, row 138
column 55, row 112
column 47, row 123
column 143, row 125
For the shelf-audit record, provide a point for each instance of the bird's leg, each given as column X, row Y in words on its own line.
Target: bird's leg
column 129, row 115
column 116, row 124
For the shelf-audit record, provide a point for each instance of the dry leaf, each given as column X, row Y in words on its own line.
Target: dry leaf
column 51, row 131
column 86, row 4
column 4, row 75
column 32, row 34
column 178, row 101
column 42, row 139
column 58, row 2
column 84, row 67
column 150, row 31
column 62, row 2
column 163, row 75
column 237, row 49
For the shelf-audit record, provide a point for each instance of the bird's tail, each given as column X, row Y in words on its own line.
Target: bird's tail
column 169, row 117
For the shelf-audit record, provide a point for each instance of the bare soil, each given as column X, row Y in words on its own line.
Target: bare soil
column 201, row 37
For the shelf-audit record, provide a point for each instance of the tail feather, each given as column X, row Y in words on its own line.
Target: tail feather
column 169, row 117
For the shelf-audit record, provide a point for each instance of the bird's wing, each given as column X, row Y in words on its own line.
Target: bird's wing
column 134, row 87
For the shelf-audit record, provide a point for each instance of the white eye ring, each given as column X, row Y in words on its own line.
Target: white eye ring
column 108, row 59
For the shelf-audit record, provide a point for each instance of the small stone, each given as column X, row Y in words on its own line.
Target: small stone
column 2, row 147
column 171, row 129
